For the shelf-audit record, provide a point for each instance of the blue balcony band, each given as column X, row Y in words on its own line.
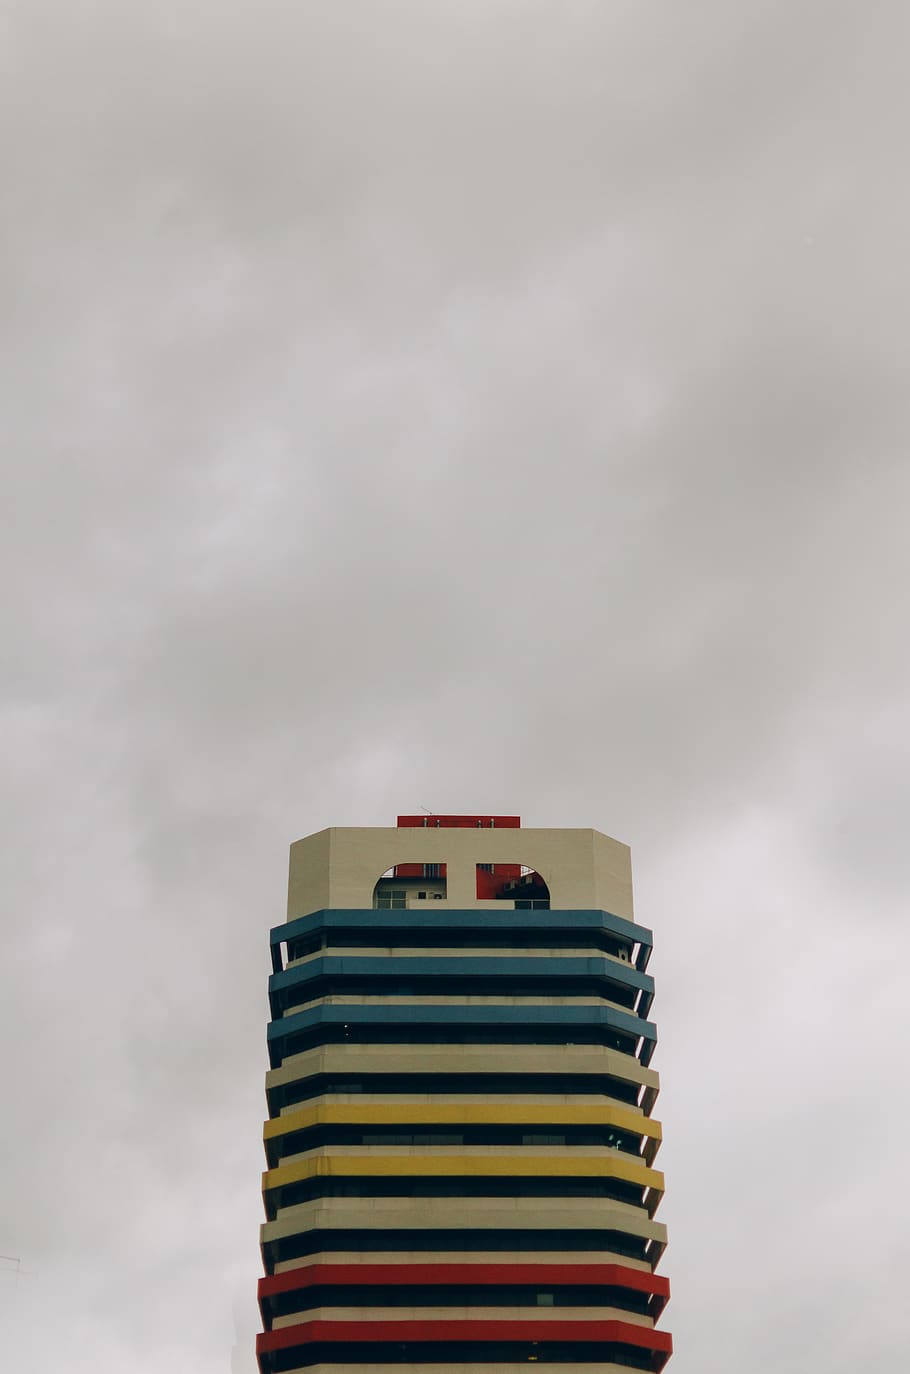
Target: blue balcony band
column 461, row 922
column 472, row 969
column 331, row 1018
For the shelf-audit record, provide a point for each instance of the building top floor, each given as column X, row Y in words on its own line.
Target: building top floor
column 459, row 862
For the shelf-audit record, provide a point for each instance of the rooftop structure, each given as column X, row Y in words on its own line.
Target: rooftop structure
column 460, row 1144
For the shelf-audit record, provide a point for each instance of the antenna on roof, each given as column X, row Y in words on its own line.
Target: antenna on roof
column 428, row 811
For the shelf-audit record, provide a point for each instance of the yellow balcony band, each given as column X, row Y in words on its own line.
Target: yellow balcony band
column 570, row 1165
column 454, row 1114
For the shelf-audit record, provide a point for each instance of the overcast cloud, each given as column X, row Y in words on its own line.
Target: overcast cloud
column 469, row 404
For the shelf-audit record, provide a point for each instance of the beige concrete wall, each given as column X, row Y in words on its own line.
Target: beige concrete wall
column 403, row 951
column 454, row 1213
column 357, row 999
column 425, row 1257
column 583, row 869
column 466, row 1152
column 462, row 1313
column 466, row 1059
column 464, row 1257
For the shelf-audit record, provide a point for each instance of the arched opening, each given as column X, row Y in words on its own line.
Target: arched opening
column 513, row 883
column 407, row 885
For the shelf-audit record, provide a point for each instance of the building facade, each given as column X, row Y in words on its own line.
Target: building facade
column 461, row 1142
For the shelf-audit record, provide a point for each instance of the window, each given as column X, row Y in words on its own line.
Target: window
column 390, row 900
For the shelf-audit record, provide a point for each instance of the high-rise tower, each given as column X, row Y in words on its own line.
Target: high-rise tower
column 460, row 1141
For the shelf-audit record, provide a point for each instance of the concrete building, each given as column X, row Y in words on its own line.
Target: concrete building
column 460, row 1142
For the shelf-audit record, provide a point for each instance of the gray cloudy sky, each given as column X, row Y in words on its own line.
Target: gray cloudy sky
column 476, row 404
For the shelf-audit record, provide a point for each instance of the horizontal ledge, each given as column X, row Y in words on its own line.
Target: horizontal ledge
column 460, row 918
column 550, row 1215
column 464, row 1331
column 505, row 1367
column 572, row 1164
column 436, row 1274
column 454, row 1114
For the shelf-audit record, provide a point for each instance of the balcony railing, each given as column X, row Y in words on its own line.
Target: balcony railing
column 395, row 901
